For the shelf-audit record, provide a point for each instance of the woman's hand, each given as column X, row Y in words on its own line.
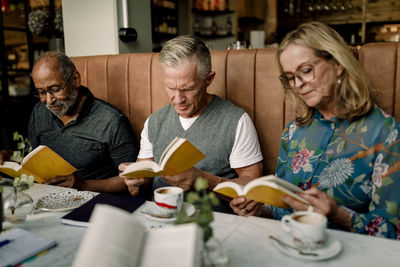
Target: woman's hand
column 245, row 207
column 322, row 203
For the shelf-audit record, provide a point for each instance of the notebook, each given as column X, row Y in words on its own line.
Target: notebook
column 23, row 246
column 80, row 216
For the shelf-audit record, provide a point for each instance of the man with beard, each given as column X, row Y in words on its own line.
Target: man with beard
column 92, row 135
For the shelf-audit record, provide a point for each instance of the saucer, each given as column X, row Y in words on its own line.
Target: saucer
column 189, row 208
column 329, row 250
column 63, row 201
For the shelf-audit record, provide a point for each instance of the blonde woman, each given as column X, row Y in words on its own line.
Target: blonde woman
column 342, row 149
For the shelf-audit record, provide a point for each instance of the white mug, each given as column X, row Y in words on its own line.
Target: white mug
column 307, row 228
column 169, row 200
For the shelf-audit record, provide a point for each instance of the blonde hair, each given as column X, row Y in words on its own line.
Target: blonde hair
column 352, row 95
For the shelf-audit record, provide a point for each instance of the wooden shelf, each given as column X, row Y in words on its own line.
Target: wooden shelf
column 213, row 36
column 211, row 13
column 362, row 13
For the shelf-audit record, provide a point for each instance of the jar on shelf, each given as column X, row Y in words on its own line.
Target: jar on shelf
column 196, row 27
column 228, row 26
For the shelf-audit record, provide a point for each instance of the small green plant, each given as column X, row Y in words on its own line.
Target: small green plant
column 24, row 181
column 203, row 201
column 23, row 147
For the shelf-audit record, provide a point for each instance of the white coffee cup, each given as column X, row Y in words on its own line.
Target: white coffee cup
column 169, row 200
column 307, row 228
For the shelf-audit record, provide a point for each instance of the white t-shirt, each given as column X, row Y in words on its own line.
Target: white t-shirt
column 245, row 151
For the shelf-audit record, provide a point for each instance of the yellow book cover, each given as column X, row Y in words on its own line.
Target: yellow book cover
column 267, row 189
column 179, row 156
column 42, row 162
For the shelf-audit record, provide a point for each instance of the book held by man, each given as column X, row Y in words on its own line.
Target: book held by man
column 179, row 156
column 42, row 162
column 115, row 238
column 267, row 189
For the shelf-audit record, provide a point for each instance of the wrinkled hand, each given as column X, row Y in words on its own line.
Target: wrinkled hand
column 70, row 181
column 245, row 207
column 4, row 155
column 132, row 184
column 185, row 180
column 321, row 202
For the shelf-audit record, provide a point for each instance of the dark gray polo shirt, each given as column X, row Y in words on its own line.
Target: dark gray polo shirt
column 95, row 143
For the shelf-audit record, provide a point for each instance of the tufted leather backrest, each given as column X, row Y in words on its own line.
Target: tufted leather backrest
column 248, row 78
column 381, row 62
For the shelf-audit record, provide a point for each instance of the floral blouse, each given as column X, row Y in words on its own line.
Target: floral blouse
column 356, row 163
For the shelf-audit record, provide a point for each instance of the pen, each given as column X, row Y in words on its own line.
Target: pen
column 4, row 242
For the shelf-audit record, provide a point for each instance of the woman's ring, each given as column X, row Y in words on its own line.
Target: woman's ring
column 246, row 210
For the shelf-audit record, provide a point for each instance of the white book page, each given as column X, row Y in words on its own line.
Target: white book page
column 11, row 165
column 177, row 246
column 170, row 149
column 142, row 165
column 237, row 187
column 113, row 238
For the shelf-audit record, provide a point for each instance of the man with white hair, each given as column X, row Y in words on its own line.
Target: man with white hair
column 218, row 128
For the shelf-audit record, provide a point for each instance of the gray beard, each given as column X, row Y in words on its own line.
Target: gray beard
column 68, row 104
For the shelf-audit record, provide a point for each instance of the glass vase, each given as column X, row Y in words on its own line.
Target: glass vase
column 17, row 206
column 213, row 254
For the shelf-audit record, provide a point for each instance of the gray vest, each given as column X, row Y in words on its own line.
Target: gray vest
column 213, row 133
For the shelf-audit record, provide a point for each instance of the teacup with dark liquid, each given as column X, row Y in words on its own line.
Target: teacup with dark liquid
column 163, row 191
column 169, row 200
column 307, row 228
column 309, row 218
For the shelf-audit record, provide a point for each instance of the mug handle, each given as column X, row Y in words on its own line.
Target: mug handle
column 286, row 220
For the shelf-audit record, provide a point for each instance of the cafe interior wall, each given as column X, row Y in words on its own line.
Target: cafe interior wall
column 91, row 27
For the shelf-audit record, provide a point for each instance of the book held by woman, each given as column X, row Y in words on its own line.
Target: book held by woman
column 267, row 189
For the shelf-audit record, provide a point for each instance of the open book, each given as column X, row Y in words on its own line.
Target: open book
column 267, row 189
column 42, row 162
column 115, row 238
column 179, row 156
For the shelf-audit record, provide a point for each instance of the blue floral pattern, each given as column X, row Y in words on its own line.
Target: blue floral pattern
column 356, row 163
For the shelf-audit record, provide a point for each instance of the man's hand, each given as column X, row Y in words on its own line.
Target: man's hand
column 70, row 181
column 245, row 207
column 185, row 180
column 4, row 155
column 133, row 184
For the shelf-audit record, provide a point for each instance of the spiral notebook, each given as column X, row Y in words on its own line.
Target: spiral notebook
column 22, row 246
